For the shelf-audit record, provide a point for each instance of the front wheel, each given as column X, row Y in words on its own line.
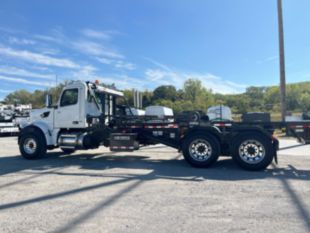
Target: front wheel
column 32, row 145
column 253, row 151
column 201, row 150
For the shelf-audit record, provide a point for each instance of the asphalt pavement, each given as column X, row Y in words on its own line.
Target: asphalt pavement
column 151, row 190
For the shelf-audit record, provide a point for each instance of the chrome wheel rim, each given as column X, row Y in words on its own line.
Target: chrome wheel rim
column 252, row 151
column 30, row 146
column 200, row 150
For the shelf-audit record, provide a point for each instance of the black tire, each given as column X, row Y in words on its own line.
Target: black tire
column 32, row 145
column 68, row 151
column 252, row 151
column 210, row 150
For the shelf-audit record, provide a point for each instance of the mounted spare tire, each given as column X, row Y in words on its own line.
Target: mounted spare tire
column 201, row 150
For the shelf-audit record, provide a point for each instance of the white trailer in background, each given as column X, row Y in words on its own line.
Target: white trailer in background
column 12, row 116
column 8, row 128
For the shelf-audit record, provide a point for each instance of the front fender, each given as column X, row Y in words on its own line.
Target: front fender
column 44, row 129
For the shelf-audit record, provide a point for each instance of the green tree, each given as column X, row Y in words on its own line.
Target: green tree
column 272, row 99
column 305, row 101
column 238, row 103
column 129, row 97
column 166, row 103
column 256, row 98
column 200, row 97
column 19, row 96
column 56, row 91
column 167, row 92
column 147, row 98
column 192, row 89
column 36, row 98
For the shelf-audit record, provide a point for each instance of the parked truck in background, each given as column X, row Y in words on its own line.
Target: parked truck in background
column 12, row 116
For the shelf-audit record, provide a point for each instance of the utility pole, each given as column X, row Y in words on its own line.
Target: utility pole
column 282, row 61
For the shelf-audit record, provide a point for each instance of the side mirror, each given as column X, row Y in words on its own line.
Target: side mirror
column 48, row 101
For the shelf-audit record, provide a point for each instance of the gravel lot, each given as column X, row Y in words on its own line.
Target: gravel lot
column 151, row 190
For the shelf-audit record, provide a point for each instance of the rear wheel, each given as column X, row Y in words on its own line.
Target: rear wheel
column 253, row 151
column 201, row 150
column 32, row 145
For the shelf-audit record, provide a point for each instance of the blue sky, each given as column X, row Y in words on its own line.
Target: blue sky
column 228, row 45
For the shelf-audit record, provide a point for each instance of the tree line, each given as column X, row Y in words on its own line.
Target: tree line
column 194, row 96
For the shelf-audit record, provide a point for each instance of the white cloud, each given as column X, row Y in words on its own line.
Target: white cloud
column 104, row 60
column 5, row 91
column 10, row 30
column 164, row 75
column 38, row 58
column 25, row 81
column 95, row 34
column 47, row 38
column 89, row 73
column 96, row 49
column 218, row 84
column 158, row 64
column 156, row 74
column 48, row 51
column 25, row 73
column 124, row 82
column 103, row 54
column 55, row 35
column 125, row 65
column 119, row 64
column 210, row 81
column 21, row 41
column 85, row 73
column 268, row 59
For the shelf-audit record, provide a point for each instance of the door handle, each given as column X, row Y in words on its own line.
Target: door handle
column 75, row 122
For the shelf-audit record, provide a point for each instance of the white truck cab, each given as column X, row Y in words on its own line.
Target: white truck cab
column 66, row 124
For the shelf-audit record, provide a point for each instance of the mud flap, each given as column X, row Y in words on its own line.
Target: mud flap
column 275, row 150
column 275, row 157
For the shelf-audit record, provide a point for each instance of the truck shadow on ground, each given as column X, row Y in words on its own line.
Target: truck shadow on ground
column 177, row 168
column 98, row 165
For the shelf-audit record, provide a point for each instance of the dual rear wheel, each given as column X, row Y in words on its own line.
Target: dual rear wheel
column 251, row 151
column 201, row 150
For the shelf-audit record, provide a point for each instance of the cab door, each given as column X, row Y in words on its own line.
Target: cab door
column 67, row 115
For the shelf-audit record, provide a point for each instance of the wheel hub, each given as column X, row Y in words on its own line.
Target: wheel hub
column 252, row 151
column 200, row 150
column 30, row 145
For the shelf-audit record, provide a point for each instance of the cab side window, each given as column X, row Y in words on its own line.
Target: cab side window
column 69, row 97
